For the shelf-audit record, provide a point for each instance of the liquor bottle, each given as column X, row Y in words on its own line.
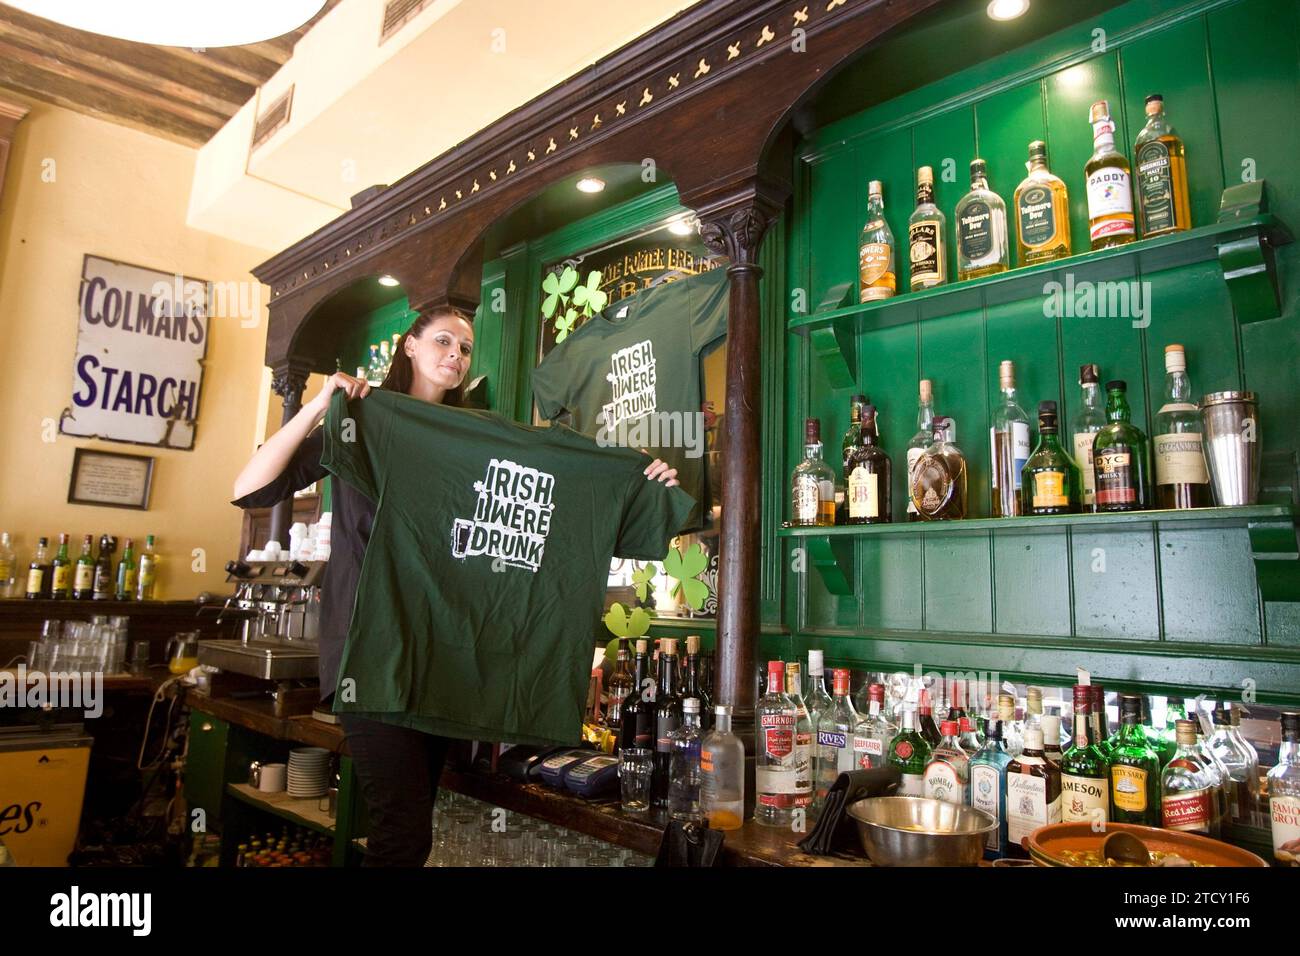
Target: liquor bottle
column 988, row 786
column 920, row 441
column 1166, row 738
column 147, row 586
column 1042, row 205
column 1187, row 797
column 1224, row 790
column 38, row 572
column 981, row 219
column 1182, row 480
column 1013, row 730
column 1050, row 481
column 910, row 753
column 1033, row 709
column 722, row 774
column 668, row 717
column 775, row 775
column 938, row 489
column 1134, row 770
column 812, row 487
column 1161, row 161
column 1110, row 187
column 926, row 236
column 1033, row 792
column 1052, row 738
column 1259, row 817
column 684, row 766
column 104, row 568
column 869, row 477
column 853, row 432
column 804, row 736
column 8, row 566
column 1090, row 419
column 956, row 700
column 969, row 740
column 877, row 273
column 1284, row 793
column 83, row 577
column 817, row 699
column 834, row 728
column 925, row 721
column 1100, row 723
column 947, row 775
column 621, row 683
column 872, row 735
column 1119, row 457
column 385, row 358
column 61, row 571
column 374, row 371
column 126, row 573
column 1085, row 771
column 1009, row 444
column 1241, row 770
column 637, row 715
column 695, row 682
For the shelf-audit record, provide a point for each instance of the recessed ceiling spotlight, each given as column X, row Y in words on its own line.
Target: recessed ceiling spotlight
column 388, row 280
column 590, row 184
column 1007, row 9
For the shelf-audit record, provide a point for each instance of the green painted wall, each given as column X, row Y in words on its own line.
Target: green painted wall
column 1172, row 607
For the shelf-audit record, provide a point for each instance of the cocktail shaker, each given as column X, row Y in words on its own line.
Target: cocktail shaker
column 1232, row 446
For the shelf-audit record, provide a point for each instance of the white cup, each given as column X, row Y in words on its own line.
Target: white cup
column 273, row 776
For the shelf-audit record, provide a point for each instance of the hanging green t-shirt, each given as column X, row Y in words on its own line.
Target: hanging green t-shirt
column 485, row 573
column 626, row 367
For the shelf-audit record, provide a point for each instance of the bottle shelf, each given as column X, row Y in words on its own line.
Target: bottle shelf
column 302, row 811
column 1272, row 529
column 1243, row 243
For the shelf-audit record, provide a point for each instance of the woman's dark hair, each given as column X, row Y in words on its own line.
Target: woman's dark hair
column 401, row 373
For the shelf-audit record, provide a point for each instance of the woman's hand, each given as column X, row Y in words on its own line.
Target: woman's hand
column 659, row 470
column 353, row 386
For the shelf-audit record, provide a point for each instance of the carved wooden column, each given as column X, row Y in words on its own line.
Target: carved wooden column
column 288, row 382
column 11, row 115
column 734, row 227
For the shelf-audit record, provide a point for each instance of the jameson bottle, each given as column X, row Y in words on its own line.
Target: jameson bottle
column 910, row 753
column 1009, row 441
column 926, row 235
column 1182, row 480
column 983, row 248
column 637, row 715
column 126, row 573
column 38, row 572
column 1161, row 161
column 812, row 487
column 1085, row 771
column 1049, row 482
column 868, row 475
column 61, row 570
column 877, row 273
column 1188, row 800
column 1134, row 770
column 83, row 576
column 1042, row 211
column 668, row 717
column 1110, row 187
column 988, row 786
column 1119, row 456
column 920, row 441
column 1090, row 419
column 1033, row 792
column 104, row 581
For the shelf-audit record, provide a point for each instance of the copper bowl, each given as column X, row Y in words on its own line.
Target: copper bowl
column 1046, row 844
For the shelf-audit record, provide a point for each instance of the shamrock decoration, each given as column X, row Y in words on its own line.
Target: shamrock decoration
column 564, row 325
column 588, row 297
column 567, row 302
column 621, row 624
column 685, row 567
column 557, row 287
column 642, row 580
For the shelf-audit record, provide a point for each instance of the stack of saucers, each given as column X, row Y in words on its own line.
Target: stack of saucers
column 309, row 771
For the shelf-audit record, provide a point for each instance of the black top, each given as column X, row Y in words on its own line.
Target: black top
column 354, row 514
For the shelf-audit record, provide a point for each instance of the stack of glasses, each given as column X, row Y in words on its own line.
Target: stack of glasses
column 97, row 646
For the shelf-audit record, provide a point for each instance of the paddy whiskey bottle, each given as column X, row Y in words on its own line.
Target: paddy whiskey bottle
column 1110, row 187
column 1161, row 174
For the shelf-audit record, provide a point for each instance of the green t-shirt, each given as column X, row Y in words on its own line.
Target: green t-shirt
column 485, row 573
column 632, row 373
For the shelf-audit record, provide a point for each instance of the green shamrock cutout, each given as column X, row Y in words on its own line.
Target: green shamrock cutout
column 564, row 325
column 624, row 625
column 642, row 580
column 557, row 287
column 588, row 297
column 685, row 569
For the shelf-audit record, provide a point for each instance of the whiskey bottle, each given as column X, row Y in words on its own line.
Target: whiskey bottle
column 1284, row 793
column 103, row 587
column 920, row 442
column 852, row 435
column 61, row 571
column 1009, row 441
column 8, row 566
column 83, row 576
column 938, row 482
column 1042, row 206
column 1110, row 187
column 925, row 721
column 981, row 220
column 695, row 682
column 1013, row 730
column 877, row 276
column 1187, row 788
column 127, row 573
column 1182, row 480
column 1161, row 161
column 1242, row 769
column 812, row 487
column 1134, row 770
column 38, row 572
column 1119, row 456
column 1085, row 771
column 1033, row 792
column 1049, row 482
column 1090, row 419
column 868, row 472
column 926, row 232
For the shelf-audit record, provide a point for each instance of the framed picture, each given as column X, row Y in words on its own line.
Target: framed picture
column 110, row 479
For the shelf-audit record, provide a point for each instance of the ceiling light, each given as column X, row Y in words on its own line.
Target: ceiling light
column 169, row 23
column 590, row 184
column 683, row 226
column 388, row 280
column 1007, row 9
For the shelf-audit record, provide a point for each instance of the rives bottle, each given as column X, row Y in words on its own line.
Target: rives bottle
column 877, row 271
column 834, row 730
column 1042, row 209
column 1110, row 185
column 1181, row 478
column 1161, row 177
column 1119, row 456
column 927, row 236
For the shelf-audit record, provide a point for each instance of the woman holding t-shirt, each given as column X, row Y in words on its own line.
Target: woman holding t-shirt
column 398, row 768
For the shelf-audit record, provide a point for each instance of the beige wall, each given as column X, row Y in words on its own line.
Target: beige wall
column 122, row 195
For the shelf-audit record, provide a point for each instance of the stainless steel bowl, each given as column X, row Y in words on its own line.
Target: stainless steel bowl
column 913, row 831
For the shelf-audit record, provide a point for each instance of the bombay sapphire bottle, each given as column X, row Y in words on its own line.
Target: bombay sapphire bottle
column 988, row 787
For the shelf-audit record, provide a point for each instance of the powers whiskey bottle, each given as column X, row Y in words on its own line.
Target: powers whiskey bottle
column 877, row 272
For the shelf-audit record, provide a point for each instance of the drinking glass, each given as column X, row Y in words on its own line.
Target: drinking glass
column 635, row 770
